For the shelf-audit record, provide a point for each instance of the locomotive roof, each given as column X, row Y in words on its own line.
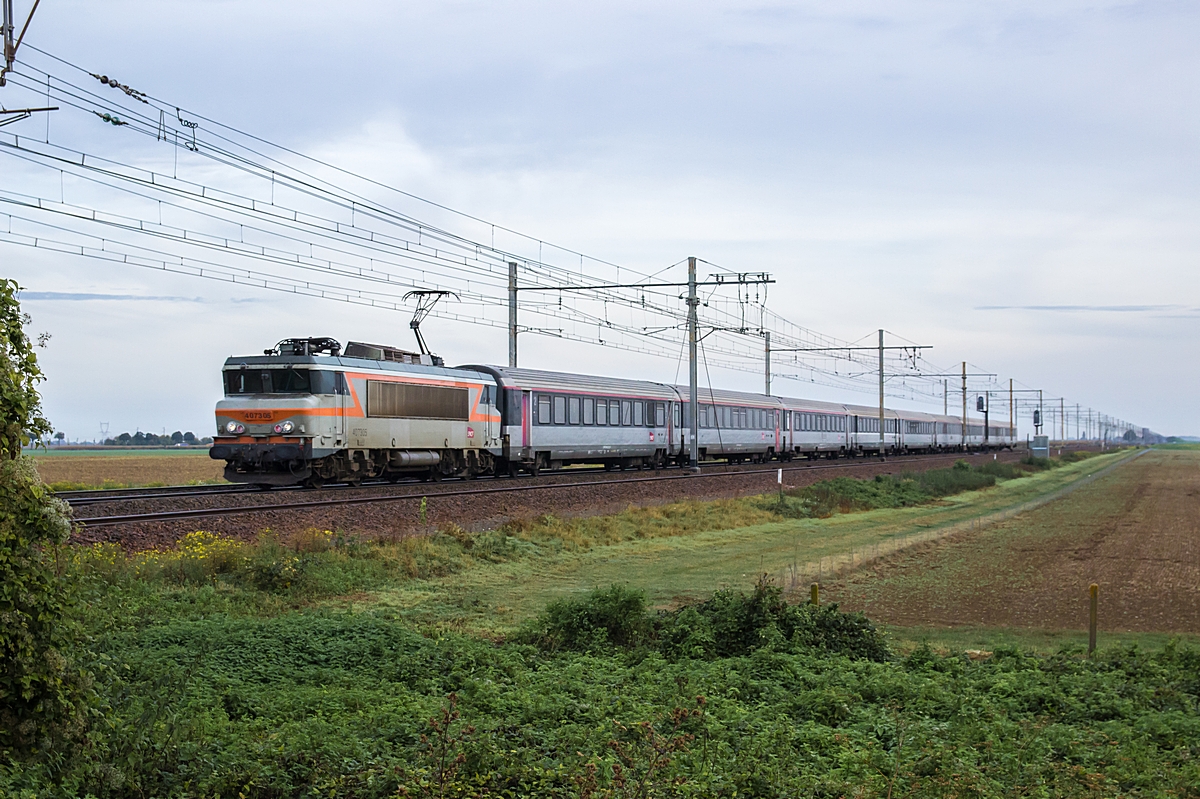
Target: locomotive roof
column 333, row 362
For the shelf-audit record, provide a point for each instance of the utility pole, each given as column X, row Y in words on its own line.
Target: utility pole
column 693, row 375
column 1011, row 434
column 512, row 314
column 690, row 420
column 964, row 421
column 881, row 420
column 11, row 44
column 945, row 398
column 767, row 358
column 1062, row 422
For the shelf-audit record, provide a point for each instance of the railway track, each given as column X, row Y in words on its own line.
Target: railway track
column 442, row 490
column 84, row 497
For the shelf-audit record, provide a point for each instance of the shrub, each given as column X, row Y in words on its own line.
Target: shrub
column 613, row 616
column 735, row 624
column 42, row 691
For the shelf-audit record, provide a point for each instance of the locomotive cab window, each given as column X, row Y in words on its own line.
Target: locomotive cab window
column 283, row 381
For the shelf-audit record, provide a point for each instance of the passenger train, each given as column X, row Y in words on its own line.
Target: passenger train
column 307, row 412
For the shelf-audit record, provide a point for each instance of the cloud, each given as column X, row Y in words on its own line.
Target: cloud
column 71, row 296
column 1077, row 308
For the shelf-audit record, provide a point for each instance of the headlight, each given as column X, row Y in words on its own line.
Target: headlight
column 235, row 428
column 285, row 427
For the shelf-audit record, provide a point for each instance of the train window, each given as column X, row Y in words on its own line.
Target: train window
column 637, row 414
column 284, row 381
column 589, row 410
column 543, row 409
column 660, row 415
column 675, row 414
column 573, row 410
column 704, row 416
column 560, row 410
column 626, row 413
column 602, row 412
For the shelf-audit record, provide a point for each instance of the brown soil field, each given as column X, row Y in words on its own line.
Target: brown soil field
column 131, row 470
column 1135, row 532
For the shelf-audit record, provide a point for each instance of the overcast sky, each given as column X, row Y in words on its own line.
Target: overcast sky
column 1013, row 183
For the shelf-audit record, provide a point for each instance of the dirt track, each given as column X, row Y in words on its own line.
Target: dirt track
column 1135, row 532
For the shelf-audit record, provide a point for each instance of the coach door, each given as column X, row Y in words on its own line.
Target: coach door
column 526, row 417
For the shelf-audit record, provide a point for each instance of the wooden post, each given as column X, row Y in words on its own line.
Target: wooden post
column 1095, row 592
column 815, row 595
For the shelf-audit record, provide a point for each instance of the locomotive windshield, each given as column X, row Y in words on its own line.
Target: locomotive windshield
column 283, row 381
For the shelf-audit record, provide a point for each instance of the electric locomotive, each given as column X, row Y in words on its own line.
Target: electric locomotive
column 305, row 412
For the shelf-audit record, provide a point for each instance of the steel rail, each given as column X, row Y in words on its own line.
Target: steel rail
column 159, row 516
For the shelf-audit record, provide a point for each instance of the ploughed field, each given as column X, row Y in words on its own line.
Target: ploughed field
column 1134, row 531
column 119, row 468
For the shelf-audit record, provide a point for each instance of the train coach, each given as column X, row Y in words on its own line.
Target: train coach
column 305, row 412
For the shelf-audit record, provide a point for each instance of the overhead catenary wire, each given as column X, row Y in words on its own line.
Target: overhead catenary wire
column 387, row 249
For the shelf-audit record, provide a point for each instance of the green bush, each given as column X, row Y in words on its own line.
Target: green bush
column 729, row 624
column 613, row 616
column 42, row 690
column 735, row 624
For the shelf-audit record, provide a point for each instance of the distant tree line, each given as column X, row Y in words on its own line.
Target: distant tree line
column 140, row 439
